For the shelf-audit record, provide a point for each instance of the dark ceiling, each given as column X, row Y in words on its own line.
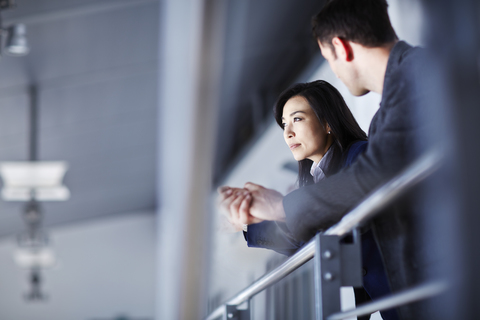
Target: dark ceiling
column 95, row 66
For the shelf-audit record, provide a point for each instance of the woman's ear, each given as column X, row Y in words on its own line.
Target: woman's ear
column 328, row 129
column 343, row 48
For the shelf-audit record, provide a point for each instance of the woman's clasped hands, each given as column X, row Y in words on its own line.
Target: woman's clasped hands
column 251, row 204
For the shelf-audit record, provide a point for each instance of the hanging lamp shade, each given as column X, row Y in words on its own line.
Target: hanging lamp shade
column 35, row 258
column 17, row 44
column 27, row 180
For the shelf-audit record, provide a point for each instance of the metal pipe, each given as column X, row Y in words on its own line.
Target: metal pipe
column 394, row 300
column 33, row 134
column 373, row 204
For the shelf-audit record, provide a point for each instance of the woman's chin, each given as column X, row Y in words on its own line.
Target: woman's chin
column 298, row 158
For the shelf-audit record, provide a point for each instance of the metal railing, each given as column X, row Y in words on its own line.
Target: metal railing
column 368, row 208
column 394, row 300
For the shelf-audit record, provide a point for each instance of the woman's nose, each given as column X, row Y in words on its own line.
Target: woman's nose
column 289, row 133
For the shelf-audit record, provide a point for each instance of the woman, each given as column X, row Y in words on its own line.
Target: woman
column 324, row 137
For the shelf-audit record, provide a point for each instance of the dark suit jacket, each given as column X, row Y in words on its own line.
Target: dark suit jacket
column 392, row 134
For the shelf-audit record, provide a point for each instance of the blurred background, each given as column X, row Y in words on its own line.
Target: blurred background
column 145, row 107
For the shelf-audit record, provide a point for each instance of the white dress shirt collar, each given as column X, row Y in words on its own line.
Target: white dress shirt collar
column 317, row 169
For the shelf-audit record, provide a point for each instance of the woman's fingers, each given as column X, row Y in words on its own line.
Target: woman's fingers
column 250, row 186
column 223, row 189
column 235, row 206
column 224, row 192
column 244, row 209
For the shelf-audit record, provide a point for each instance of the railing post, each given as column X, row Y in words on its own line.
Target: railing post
column 233, row 313
column 351, row 260
column 337, row 262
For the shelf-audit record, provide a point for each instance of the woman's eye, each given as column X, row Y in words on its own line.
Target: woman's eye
column 284, row 125
column 297, row 119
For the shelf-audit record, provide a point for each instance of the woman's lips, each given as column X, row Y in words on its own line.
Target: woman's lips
column 293, row 146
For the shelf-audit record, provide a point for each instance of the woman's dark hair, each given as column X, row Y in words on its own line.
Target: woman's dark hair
column 329, row 106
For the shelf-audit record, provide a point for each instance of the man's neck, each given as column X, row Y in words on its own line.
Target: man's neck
column 372, row 64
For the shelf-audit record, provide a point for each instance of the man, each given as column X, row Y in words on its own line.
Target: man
column 361, row 47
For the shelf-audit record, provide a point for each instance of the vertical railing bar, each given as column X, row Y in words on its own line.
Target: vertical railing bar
column 317, row 275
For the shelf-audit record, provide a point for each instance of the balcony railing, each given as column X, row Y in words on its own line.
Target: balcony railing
column 329, row 275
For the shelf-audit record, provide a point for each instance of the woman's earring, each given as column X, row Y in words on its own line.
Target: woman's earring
column 329, row 132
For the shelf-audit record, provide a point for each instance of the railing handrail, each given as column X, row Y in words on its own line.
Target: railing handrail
column 420, row 292
column 373, row 204
column 386, row 194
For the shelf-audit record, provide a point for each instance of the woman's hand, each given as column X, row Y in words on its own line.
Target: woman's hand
column 235, row 204
column 267, row 204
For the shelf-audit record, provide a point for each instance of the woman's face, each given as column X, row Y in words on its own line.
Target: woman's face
column 303, row 132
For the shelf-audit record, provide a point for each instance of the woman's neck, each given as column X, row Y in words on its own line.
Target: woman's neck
column 316, row 159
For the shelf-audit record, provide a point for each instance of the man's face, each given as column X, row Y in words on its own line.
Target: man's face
column 344, row 70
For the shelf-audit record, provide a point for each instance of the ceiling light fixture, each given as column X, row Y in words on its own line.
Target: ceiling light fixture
column 17, row 44
column 33, row 181
column 34, row 252
column 42, row 181
column 40, row 258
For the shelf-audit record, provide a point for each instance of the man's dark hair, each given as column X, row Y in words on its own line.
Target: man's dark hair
column 362, row 21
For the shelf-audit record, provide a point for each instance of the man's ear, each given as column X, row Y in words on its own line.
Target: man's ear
column 343, row 48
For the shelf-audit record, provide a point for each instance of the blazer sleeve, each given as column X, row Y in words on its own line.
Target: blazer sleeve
column 272, row 235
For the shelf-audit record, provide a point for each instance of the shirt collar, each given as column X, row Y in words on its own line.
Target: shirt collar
column 318, row 169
